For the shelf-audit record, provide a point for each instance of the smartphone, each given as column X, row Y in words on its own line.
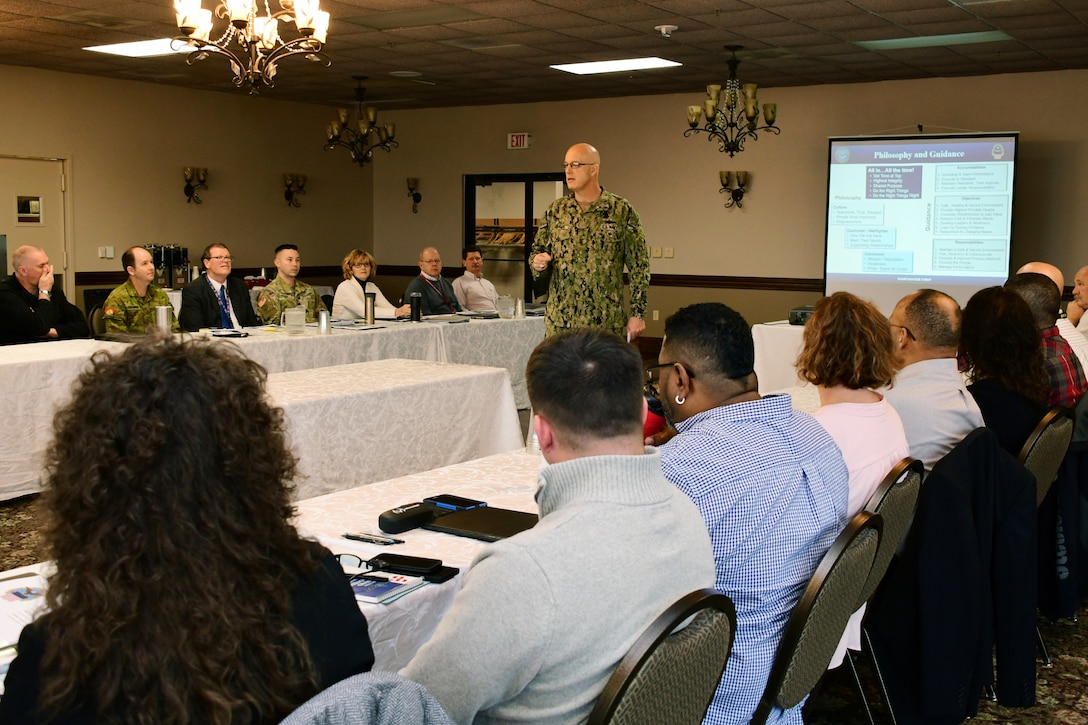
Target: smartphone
column 453, row 503
column 400, row 564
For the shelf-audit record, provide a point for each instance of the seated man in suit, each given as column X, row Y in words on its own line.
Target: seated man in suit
column 769, row 481
column 287, row 290
column 438, row 295
column 131, row 307
column 216, row 299
column 544, row 617
column 929, row 392
column 30, row 309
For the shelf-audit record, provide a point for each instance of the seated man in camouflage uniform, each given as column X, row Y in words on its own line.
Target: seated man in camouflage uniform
column 286, row 291
column 131, row 307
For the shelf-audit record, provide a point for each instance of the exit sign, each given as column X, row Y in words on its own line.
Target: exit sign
column 519, row 140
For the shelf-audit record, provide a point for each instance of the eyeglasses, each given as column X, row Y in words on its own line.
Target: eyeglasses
column 577, row 164
column 431, row 261
column 654, row 375
column 221, row 258
column 903, row 327
column 361, row 265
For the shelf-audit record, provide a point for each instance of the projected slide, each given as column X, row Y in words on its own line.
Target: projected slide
column 919, row 211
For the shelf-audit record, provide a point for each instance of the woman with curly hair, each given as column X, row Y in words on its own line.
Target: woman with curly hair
column 848, row 354
column 182, row 592
column 349, row 303
column 999, row 348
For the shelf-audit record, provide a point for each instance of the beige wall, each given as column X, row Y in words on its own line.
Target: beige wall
column 129, row 140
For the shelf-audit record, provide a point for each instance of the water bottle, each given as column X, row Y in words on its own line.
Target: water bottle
column 416, row 301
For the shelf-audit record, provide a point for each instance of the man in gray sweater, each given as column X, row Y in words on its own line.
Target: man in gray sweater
column 544, row 617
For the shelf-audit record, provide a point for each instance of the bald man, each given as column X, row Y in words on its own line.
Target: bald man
column 438, row 295
column 1080, row 300
column 581, row 248
column 1066, row 328
column 31, row 310
column 929, row 393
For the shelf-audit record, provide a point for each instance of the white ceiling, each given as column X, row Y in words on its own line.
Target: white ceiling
column 498, row 51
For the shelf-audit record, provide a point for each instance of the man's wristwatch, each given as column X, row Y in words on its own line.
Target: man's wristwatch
column 45, row 292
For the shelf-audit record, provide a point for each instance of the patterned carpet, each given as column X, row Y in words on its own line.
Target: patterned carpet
column 1061, row 691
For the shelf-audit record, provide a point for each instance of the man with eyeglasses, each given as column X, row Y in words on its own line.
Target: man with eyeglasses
column 438, row 295
column 929, row 392
column 581, row 248
column 216, row 299
column 769, row 481
column 287, row 290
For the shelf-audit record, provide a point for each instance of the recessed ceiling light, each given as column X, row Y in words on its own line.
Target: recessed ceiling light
column 613, row 66
column 142, row 48
column 934, row 41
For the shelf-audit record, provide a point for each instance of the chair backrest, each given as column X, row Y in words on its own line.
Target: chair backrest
column 819, row 619
column 328, row 299
column 1045, row 448
column 97, row 321
column 669, row 674
column 894, row 499
column 1080, row 425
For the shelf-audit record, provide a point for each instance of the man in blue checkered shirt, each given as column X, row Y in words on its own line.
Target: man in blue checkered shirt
column 769, row 481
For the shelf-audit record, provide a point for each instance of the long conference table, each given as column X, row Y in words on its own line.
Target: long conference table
column 36, row 379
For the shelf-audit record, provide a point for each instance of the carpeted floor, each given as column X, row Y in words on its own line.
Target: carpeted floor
column 1061, row 691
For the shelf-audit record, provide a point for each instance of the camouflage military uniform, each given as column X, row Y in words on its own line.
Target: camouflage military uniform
column 126, row 311
column 277, row 297
column 589, row 251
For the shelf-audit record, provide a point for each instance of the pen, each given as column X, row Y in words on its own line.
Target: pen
column 374, row 539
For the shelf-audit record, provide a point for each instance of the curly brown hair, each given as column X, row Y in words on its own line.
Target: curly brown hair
column 169, row 501
column 358, row 256
column 1000, row 340
column 847, row 342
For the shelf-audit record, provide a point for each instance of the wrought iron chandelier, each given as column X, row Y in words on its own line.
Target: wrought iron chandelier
column 368, row 138
column 259, row 45
column 732, row 112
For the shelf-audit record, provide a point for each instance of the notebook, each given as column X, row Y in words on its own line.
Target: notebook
column 486, row 523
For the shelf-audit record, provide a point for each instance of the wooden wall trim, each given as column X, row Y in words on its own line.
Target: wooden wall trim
column 96, row 279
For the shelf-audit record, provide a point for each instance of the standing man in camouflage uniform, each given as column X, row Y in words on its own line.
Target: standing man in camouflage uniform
column 286, row 290
column 131, row 307
column 583, row 244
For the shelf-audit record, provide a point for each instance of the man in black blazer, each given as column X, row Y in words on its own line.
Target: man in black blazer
column 204, row 305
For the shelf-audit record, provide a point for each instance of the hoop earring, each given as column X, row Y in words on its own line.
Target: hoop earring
column 679, row 400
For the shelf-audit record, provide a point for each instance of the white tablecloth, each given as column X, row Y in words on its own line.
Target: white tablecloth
column 36, row 379
column 400, row 628
column 356, row 424
column 777, row 345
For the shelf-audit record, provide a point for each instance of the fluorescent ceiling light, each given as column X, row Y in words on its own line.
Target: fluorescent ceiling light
column 142, row 48
column 934, row 41
column 613, row 66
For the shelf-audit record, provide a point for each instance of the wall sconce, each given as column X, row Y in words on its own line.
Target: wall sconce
column 413, row 184
column 294, row 184
column 736, row 193
column 200, row 176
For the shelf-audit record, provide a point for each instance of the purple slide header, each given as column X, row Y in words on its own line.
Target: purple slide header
column 990, row 150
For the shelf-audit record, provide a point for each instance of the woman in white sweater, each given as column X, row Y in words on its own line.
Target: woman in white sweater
column 349, row 303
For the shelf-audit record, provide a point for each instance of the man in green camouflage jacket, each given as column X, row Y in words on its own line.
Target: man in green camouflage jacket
column 581, row 249
column 131, row 307
column 286, row 290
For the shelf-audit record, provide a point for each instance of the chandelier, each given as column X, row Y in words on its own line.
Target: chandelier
column 259, row 47
column 732, row 113
column 368, row 138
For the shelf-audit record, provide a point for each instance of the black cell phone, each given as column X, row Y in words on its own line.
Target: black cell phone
column 453, row 503
column 400, row 564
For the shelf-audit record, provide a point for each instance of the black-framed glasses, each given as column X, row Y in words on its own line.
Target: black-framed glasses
column 577, row 164
column 903, row 327
column 653, row 377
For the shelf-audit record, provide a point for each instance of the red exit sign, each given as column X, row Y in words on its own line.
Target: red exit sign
column 519, row 140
